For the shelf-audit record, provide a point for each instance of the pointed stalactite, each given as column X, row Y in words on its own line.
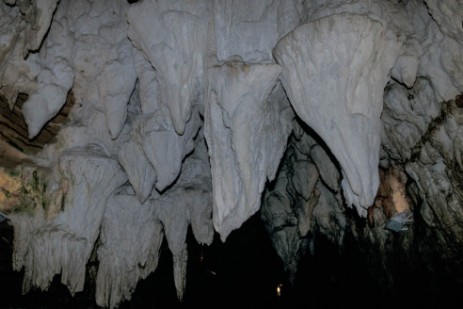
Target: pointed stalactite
column 245, row 142
column 176, row 46
column 63, row 243
column 131, row 237
column 334, row 71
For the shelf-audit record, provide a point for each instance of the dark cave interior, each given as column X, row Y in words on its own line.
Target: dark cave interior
column 245, row 272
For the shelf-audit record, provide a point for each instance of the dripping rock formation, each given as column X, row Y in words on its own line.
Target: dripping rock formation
column 132, row 126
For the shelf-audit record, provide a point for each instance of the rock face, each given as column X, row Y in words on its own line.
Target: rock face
column 338, row 91
column 246, row 130
column 202, row 113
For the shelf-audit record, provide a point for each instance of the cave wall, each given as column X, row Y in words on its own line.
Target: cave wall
column 321, row 114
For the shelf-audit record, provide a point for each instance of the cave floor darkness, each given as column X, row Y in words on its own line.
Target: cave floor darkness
column 241, row 273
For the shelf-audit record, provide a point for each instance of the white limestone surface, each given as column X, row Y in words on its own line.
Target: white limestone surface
column 55, row 79
column 213, row 68
column 187, row 202
column 438, row 29
column 164, row 148
column 23, row 26
column 448, row 15
column 128, row 256
column 246, row 132
column 334, row 71
column 249, row 29
column 63, row 244
column 173, row 36
column 140, row 172
column 132, row 254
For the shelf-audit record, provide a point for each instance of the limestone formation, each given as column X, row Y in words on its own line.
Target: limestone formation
column 338, row 91
column 202, row 113
column 240, row 116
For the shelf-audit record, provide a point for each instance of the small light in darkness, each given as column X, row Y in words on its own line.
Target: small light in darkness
column 279, row 289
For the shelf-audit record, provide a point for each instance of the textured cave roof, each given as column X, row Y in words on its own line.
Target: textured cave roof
column 15, row 146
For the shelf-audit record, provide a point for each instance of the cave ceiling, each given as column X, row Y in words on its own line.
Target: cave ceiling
column 123, row 123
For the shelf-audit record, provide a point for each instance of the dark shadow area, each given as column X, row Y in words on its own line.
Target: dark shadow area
column 244, row 272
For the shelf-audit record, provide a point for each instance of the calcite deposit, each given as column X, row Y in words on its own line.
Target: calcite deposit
column 202, row 113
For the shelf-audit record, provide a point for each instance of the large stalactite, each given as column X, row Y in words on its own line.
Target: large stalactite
column 329, row 118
